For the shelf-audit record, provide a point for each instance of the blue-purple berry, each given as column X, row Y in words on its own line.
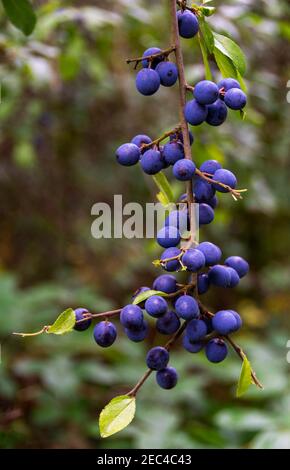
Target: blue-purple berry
column 131, row 316
column 141, row 139
column 168, row 236
column 184, row 170
column 81, row 324
column 216, row 350
column 128, row 154
column 206, row 214
column 172, row 152
column 152, row 162
column 173, row 264
column 235, row 99
column 195, row 113
column 219, row 276
column 168, row 324
column 168, row 73
column 225, row 177
column 147, row 82
column 211, row 252
column 157, row 358
column 192, row 347
column 202, row 283
column 165, row 283
column 196, row 330
column 187, row 24
column 193, row 259
column 187, row 307
column 239, row 264
column 216, row 113
column 167, row 378
column 156, row 306
column 206, row 92
column 149, row 52
column 105, row 334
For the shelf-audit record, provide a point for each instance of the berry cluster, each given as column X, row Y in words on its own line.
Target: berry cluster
column 201, row 330
column 211, row 101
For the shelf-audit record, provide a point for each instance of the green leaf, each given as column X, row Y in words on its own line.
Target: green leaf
column 21, row 15
column 64, row 323
column 117, row 415
column 163, row 184
column 203, row 48
column 207, row 11
column 207, row 35
column 162, row 199
column 245, row 379
column 148, row 293
column 230, row 49
column 227, row 68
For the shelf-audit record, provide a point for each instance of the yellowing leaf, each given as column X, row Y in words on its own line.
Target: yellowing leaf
column 148, row 293
column 245, row 379
column 163, row 184
column 117, row 415
column 64, row 323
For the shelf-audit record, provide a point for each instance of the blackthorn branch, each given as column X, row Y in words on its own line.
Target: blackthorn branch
column 176, row 306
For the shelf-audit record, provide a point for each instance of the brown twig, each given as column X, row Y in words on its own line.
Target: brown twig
column 164, row 136
column 236, row 193
column 151, row 57
column 167, row 346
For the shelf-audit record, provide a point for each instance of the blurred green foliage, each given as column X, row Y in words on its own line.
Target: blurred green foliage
column 68, row 100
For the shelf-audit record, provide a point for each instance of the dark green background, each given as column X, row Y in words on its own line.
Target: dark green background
column 68, row 100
